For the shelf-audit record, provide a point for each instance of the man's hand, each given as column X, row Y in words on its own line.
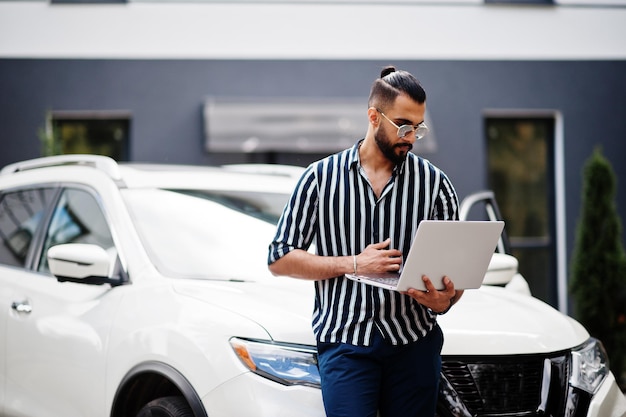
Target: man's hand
column 437, row 300
column 376, row 258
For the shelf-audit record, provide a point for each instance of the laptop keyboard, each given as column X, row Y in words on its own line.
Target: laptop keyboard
column 385, row 280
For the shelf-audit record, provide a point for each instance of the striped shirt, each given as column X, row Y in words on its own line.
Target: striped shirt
column 334, row 207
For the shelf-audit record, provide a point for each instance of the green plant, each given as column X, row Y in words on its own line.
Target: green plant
column 48, row 137
column 598, row 282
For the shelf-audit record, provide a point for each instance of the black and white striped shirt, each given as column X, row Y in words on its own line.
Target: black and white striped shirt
column 334, row 206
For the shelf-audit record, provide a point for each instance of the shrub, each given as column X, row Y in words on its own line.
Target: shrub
column 598, row 282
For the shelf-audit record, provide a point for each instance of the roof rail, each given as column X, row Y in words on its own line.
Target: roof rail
column 103, row 163
column 291, row 171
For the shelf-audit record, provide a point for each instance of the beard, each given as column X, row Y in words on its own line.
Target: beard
column 396, row 153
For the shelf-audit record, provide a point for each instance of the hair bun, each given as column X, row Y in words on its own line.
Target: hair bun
column 387, row 70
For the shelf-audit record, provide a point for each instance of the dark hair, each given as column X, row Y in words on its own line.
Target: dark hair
column 391, row 83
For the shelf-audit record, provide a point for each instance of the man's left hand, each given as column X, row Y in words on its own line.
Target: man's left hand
column 437, row 300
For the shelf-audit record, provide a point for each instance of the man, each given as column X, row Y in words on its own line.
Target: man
column 378, row 350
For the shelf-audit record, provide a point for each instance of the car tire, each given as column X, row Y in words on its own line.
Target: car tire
column 166, row 407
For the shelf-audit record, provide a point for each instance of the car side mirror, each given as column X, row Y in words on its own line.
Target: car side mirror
column 502, row 268
column 82, row 263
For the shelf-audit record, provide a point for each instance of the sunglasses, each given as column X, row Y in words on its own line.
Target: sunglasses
column 420, row 130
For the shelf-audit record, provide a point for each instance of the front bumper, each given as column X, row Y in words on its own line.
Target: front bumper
column 609, row 401
column 253, row 396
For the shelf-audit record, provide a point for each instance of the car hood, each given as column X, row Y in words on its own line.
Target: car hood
column 282, row 306
column 497, row 321
column 487, row 321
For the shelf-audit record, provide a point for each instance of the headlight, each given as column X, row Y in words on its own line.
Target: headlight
column 288, row 364
column 590, row 366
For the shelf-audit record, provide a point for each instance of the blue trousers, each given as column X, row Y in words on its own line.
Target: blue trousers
column 397, row 381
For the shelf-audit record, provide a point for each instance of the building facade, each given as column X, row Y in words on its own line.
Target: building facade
column 519, row 93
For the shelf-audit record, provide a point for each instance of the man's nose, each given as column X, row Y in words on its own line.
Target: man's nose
column 409, row 137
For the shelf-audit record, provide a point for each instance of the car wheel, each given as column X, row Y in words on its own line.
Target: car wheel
column 166, row 407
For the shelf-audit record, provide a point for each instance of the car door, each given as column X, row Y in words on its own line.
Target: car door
column 22, row 213
column 56, row 333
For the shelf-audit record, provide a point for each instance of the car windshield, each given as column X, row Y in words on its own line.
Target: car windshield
column 201, row 234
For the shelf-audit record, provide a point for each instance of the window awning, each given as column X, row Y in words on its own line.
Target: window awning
column 302, row 125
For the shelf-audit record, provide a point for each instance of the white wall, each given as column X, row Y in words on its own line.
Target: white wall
column 433, row 30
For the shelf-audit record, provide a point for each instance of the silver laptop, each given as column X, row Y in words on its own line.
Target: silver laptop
column 460, row 250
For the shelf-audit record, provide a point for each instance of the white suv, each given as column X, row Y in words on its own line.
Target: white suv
column 139, row 290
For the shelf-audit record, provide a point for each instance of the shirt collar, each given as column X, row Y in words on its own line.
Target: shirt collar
column 355, row 159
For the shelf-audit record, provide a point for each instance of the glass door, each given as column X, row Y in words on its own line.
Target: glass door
column 520, row 154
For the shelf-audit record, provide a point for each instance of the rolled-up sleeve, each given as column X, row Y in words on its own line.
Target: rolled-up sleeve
column 297, row 224
column 447, row 202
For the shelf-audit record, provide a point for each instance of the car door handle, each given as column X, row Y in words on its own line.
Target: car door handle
column 22, row 306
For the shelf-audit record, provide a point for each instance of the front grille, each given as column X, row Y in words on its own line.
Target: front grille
column 489, row 386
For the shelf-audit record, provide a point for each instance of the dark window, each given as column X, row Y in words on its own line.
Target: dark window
column 81, row 133
column 77, row 219
column 520, row 154
column 21, row 214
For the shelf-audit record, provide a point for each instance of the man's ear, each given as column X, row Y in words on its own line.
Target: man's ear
column 373, row 116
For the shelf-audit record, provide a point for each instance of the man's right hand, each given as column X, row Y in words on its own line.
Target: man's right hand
column 376, row 258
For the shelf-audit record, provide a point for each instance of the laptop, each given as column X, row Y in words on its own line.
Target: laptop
column 460, row 250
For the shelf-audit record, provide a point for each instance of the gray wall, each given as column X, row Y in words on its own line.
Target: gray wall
column 166, row 97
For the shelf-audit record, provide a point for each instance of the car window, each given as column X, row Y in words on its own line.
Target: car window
column 77, row 218
column 190, row 235
column 262, row 205
column 21, row 213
